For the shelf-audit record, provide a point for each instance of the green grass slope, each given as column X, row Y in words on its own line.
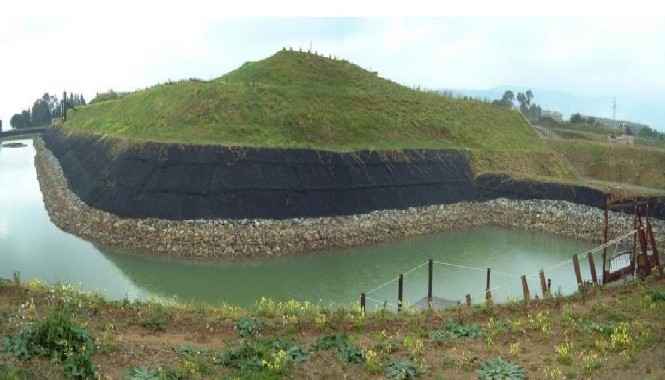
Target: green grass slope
column 617, row 164
column 295, row 99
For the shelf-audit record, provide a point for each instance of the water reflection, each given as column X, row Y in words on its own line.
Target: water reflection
column 342, row 276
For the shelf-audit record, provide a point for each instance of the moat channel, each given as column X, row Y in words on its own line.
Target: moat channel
column 32, row 246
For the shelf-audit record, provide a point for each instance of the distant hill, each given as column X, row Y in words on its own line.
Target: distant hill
column 627, row 109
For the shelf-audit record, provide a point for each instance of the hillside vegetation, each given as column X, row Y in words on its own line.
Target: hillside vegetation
column 619, row 164
column 296, row 99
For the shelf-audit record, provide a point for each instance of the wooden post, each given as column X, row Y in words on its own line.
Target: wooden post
column 525, row 289
column 606, row 230
column 429, row 281
column 488, row 293
column 654, row 249
column 578, row 274
column 468, row 300
column 543, row 284
column 592, row 268
column 644, row 266
column 362, row 303
column 400, row 292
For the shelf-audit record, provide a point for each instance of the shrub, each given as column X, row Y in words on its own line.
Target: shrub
column 155, row 319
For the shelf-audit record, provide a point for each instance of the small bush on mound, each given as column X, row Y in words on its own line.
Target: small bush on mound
column 499, row 369
column 59, row 338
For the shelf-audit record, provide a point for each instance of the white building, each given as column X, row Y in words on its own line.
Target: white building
column 556, row 116
column 626, row 138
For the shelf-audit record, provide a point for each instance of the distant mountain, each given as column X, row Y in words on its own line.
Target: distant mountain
column 628, row 109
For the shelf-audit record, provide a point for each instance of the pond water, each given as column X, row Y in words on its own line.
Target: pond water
column 33, row 246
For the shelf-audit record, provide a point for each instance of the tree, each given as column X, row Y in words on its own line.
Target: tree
column 21, row 120
column 534, row 111
column 54, row 106
column 17, row 121
column 576, row 118
column 529, row 110
column 525, row 101
column 506, row 100
column 41, row 114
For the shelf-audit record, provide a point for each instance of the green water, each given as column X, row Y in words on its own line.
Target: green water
column 32, row 245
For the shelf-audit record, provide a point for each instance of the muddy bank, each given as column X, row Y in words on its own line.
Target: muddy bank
column 265, row 238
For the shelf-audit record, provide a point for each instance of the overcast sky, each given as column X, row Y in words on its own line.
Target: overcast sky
column 87, row 49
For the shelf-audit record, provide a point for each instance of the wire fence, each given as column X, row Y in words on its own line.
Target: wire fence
column 490, row 290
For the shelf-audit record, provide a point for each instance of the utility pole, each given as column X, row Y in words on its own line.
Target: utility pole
column 614, row 112
column 63, row 107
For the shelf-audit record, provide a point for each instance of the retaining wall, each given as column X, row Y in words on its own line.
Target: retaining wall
column 180, row 182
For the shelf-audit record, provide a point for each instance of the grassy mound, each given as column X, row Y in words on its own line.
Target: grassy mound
column 295, row 99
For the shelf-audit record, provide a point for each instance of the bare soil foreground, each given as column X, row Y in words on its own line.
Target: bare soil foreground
column 612, row 332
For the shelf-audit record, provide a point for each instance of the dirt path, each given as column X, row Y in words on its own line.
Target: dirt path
column 622, row 186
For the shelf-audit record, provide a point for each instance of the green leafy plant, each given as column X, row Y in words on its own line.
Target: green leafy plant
column 79, row 365
column 601, row 328
column 656, row 295
column 499, row 369
column 142, row 373
column 155, row 319
column 264, row 358
column 297, row 354
column 247, row 326
column 9, row 371
column 454, row 330
column 402, row 369
column 58, row 336
column 350, row 353
column 61, row 339
column 187, row 350
column 19, row 346
column 327, row 342
column 347, row 351
column 247, row 357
